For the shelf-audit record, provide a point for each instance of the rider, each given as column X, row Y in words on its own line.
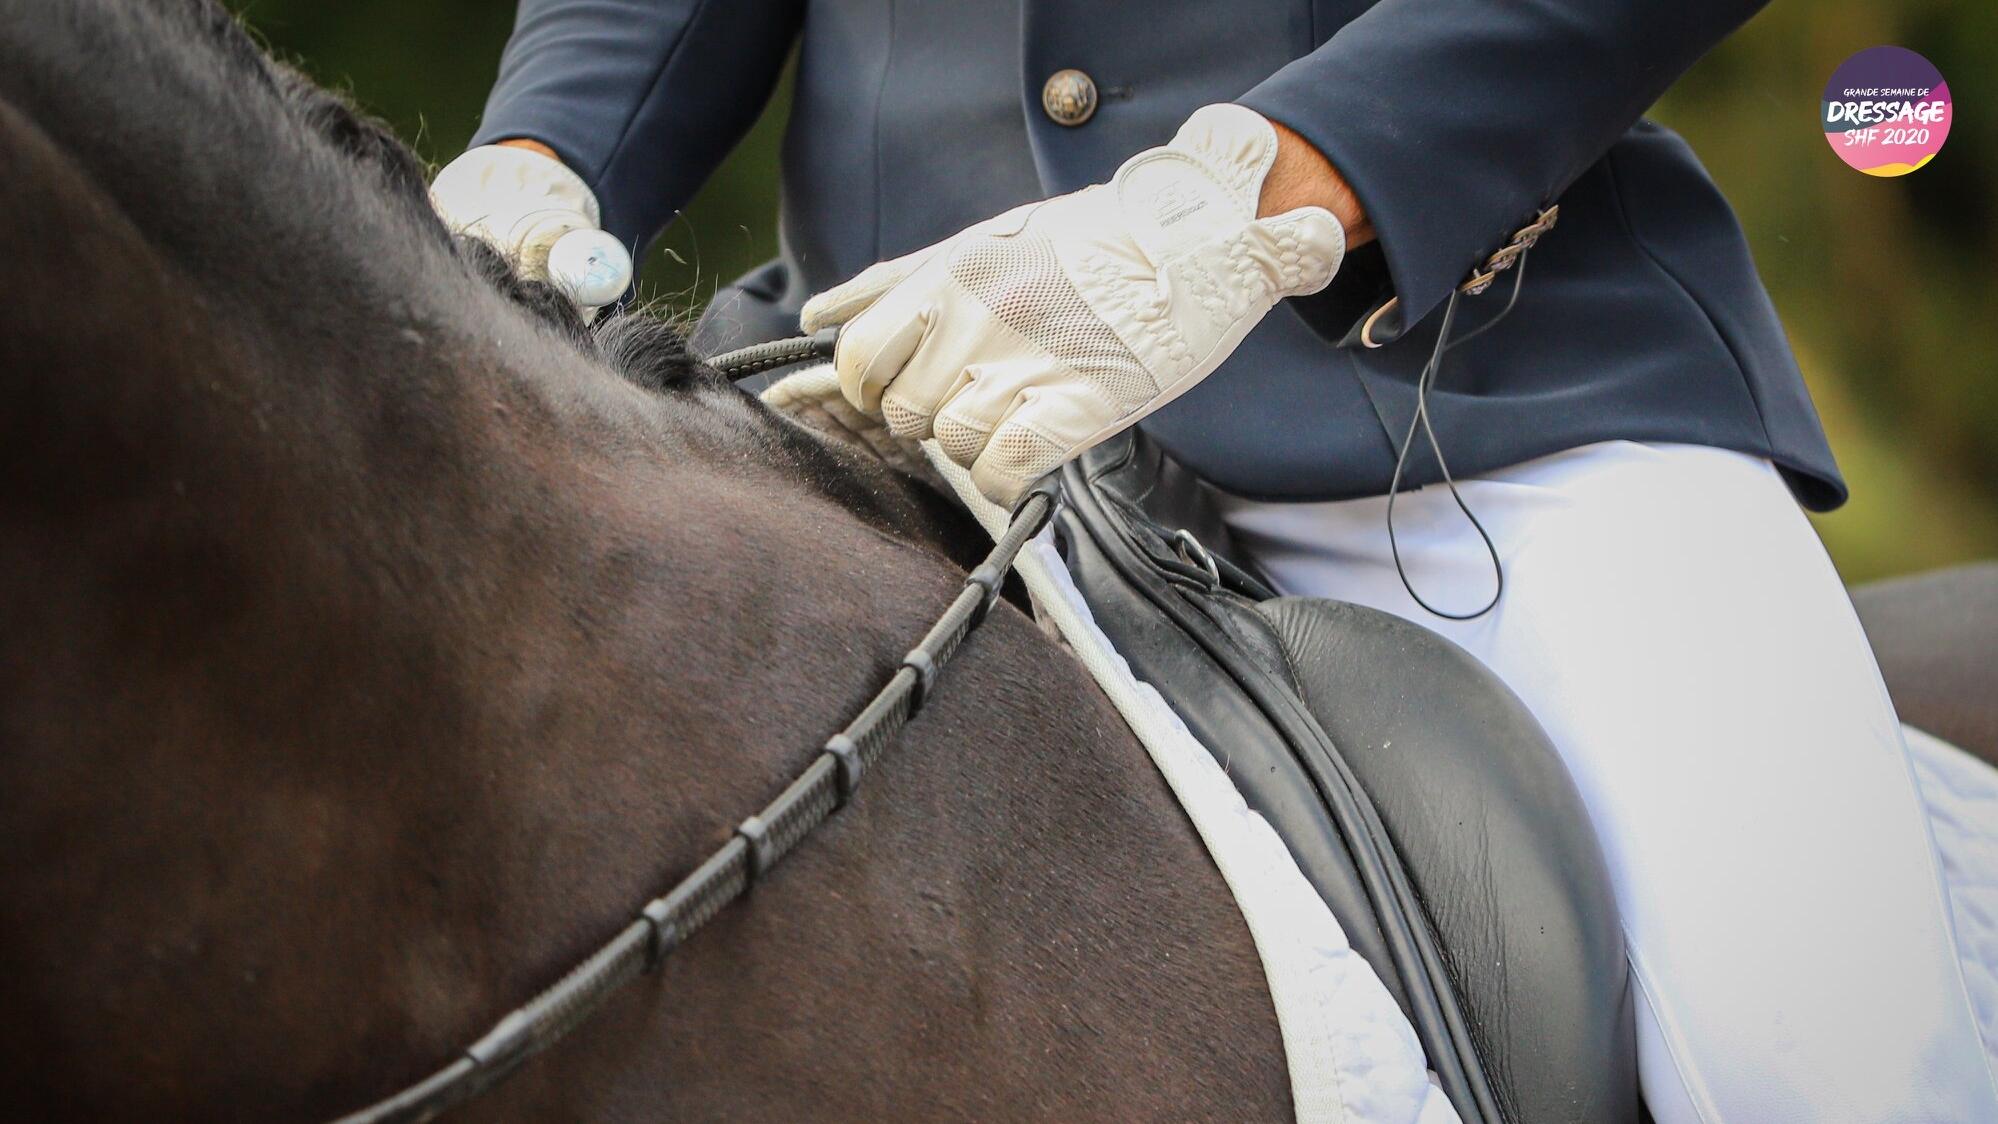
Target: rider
column 1633, row 434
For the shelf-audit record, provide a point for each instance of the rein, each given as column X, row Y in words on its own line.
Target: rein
column 824, row 787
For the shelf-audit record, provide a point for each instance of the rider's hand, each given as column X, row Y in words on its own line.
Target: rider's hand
column 1030, row 337
column 523, row 200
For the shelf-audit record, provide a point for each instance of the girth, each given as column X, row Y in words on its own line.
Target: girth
column 1417, row 794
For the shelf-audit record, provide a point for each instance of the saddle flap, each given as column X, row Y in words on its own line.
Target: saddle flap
column 1417, row 794
column 1496, row 843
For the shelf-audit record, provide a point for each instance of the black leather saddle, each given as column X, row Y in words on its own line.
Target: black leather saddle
column 1416, row 792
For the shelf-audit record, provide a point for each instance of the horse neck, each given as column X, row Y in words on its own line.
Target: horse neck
column 429, row 633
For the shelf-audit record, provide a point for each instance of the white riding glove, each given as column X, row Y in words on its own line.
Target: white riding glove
column 1030, row 337
column 527, row 206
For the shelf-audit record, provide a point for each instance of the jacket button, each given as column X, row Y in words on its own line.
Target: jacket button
column 1069, row 97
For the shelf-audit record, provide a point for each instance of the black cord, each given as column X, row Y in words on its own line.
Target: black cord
column 1421, row 418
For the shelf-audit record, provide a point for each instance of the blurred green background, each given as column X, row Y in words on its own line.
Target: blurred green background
column 1883, row 283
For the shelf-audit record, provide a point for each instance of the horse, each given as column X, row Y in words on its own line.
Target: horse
column 378, row 634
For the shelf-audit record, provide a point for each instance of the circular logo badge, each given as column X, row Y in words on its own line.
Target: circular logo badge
column 1886, row 111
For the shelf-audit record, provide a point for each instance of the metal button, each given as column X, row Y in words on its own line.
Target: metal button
column 1069, row 97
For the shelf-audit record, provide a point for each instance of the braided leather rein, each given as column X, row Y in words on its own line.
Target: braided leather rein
column 825, row 786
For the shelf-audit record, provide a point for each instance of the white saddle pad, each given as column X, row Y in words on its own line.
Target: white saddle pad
column 1962, row 797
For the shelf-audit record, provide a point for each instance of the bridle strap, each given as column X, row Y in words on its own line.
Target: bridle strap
column 825, row 786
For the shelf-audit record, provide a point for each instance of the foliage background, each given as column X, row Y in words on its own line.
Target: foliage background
column 1883, row 283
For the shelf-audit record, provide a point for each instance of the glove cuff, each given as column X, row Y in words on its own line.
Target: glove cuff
column 1200, row 194
column 1235, row 145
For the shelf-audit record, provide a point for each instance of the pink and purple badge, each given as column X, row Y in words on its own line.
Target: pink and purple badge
column 1886, row 111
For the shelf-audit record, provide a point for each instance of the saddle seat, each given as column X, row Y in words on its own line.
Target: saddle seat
column 1417, row 794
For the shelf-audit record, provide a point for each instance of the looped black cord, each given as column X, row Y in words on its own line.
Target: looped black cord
column 1421, row 418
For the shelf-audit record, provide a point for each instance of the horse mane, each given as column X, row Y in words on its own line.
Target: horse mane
column 299, row 230
column 646, row 349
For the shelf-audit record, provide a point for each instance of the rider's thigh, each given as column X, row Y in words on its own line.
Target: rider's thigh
column 1671, row 618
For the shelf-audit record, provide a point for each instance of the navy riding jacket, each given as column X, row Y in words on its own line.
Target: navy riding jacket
column 1640, row 316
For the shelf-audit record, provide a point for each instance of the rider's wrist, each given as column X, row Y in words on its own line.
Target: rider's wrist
column 1301, row 176
column 533, row 146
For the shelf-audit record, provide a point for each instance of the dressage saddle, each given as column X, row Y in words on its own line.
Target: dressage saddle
column 1415, row 791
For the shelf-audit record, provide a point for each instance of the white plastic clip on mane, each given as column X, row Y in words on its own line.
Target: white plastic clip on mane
column 591, row 267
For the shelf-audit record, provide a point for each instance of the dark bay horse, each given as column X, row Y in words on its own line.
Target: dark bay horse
column 376, row 637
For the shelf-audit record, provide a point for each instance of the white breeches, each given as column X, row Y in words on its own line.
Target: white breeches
column 1672, row 620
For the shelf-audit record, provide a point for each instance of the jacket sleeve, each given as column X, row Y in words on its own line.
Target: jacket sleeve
column 642, row 98
column 1455, row 120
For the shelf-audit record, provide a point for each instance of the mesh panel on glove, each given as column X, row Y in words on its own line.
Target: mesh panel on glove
column 960, row 440
column 1023, row 285
column 1022, row 454
column 902, row 420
